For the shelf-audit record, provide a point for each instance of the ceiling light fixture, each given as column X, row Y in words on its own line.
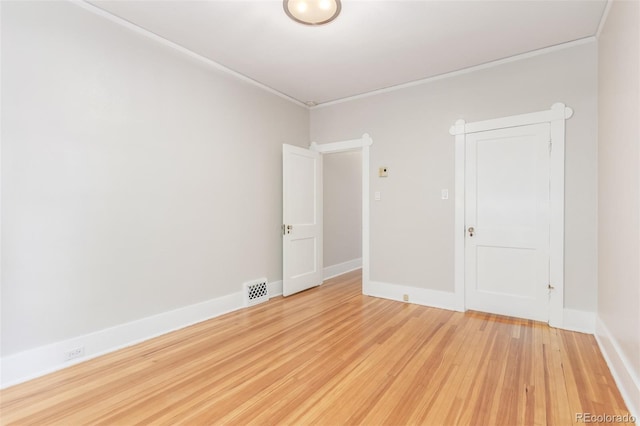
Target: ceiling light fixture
column 312, row 12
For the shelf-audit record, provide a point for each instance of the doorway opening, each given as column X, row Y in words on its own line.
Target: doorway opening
column 361, row 145
column 342, row 212
column 302, row 212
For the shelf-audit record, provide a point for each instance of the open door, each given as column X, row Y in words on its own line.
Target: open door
column 302, row 219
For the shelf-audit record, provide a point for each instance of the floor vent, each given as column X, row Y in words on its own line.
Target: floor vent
column 256, row 292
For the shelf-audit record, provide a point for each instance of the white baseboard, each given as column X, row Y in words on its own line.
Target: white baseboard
column 420, row 296
column 39, row 361
column 341, row 268
column 275, row 289
column 573, row 320
column 581, row 321
column 627, row 381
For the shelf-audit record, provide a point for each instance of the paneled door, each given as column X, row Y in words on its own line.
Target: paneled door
column 507, row 219
column 302, row 219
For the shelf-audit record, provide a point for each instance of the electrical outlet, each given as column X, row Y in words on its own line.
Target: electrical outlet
column 405, row 297
column 74, row 353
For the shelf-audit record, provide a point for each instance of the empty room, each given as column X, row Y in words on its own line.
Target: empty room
column 327, row 212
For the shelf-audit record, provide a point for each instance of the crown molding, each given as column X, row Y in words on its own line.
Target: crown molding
column 155, row 37
column 603, row 18
column 463, row 71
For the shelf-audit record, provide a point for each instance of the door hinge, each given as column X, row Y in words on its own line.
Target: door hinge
column 550, row 146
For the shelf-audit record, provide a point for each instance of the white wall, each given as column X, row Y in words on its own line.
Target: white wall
column 342, row 206
column 411, row 227
column 135, row 179
column 619, row 196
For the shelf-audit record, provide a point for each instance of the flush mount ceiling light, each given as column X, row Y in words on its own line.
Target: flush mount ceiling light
column 312, row 12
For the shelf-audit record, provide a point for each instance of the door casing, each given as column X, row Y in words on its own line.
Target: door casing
column 363, row 143
column 556, row 117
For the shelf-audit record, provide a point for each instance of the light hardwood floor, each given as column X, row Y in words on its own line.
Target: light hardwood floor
column 332, row 356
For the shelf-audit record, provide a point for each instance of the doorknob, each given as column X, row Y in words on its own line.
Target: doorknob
column 471, row 231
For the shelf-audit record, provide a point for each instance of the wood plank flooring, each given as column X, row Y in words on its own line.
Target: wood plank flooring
column 331, row 356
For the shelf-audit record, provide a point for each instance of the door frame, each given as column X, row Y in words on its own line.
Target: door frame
column 363, row 143
column 556, row 117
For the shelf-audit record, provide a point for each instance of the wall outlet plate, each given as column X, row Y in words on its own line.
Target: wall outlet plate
column 74, row 353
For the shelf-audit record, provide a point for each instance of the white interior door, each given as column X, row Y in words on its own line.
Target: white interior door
column 302, row 219
column 507, row 221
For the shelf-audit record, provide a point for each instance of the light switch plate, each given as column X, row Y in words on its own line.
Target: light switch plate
column 445, row 194
column 376, row 195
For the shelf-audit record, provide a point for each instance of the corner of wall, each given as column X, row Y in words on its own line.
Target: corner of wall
column 341, row 268
column 580, row 321
column 620, row 367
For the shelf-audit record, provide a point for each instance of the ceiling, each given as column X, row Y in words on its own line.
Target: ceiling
column 371, row 45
